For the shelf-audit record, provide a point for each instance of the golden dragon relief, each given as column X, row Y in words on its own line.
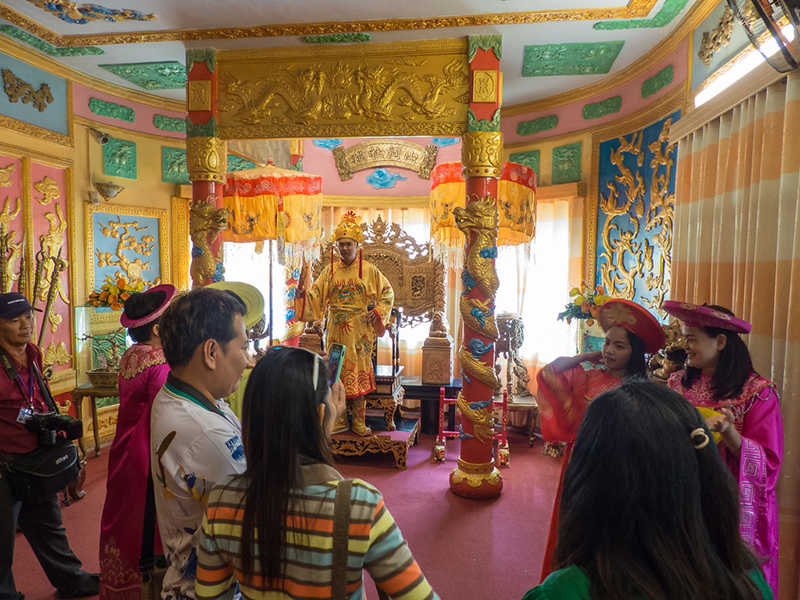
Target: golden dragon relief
column 405, row 89
column 620, row 242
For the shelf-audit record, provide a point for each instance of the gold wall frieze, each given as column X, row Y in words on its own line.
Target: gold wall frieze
column 482, row 153
column 45, row 159
column 206, row 159
column 631, row 10
column 385, row 153
column 377, row 90
column 26, row 54
column 33, row 131
column 694, row 17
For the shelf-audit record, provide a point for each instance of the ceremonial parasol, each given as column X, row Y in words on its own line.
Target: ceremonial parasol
column 516, row 203
column 270, row 203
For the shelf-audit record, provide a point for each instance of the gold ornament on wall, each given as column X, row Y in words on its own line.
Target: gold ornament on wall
column 126, row 232
column 5, row 175
column 415, row 88
column 385, row 153
column 56, row 354
column 18, row 90
column 49, row 189
column 482, row 153
column 206, row 159
column 716, row 38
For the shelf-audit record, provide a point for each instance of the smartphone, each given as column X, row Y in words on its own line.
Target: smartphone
column 335, row 361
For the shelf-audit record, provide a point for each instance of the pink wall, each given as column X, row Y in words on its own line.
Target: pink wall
column 570, row 116
column 144, row 113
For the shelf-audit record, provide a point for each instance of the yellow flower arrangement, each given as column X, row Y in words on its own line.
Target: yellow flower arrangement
column 584, row 304
column 114, row 292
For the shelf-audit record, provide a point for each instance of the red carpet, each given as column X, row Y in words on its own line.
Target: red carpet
column 468, row 549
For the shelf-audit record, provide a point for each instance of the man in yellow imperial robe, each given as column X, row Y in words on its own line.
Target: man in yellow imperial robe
column 359, row 300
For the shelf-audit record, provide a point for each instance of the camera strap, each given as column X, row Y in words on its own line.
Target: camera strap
column 12, row 374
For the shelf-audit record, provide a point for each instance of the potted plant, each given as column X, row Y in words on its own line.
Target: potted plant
column 107, row 346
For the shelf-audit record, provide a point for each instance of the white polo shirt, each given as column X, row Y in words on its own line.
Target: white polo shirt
column 193, row 444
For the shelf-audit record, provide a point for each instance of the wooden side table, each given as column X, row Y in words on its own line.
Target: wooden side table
column 92, row 392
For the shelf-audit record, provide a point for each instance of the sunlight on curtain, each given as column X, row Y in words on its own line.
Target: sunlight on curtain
column 243, row 263
column 737, row 244
column 537, row 288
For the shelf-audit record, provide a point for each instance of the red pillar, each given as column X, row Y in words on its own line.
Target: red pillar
column 476, row 475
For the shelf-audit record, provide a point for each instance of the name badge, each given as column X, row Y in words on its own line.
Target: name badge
column 24, row 414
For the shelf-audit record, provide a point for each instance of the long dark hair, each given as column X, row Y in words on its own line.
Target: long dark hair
column 282, row 432
column 637, row 366
column 734, row 364
column 644, row 511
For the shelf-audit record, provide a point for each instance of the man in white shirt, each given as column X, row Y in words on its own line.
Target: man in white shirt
column 195, row 437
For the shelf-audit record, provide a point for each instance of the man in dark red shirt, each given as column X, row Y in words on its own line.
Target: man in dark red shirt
column 40, row 521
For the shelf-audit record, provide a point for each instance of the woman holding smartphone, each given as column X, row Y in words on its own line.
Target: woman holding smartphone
column 291, row 525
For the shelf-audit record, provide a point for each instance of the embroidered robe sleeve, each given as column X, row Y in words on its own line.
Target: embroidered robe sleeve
column 562, row 402
column 311, row 305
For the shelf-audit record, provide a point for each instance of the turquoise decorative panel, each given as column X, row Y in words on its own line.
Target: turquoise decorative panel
column 570, row 59
column 663, row 17
column 636, row 183
column 566, row 164
column 151, row 75
column 658, row 81
column 238, row 163
column 173, row 166
column 601, row 109
column 165, row 123
column 119, row 158
column 529, row 159
column 537, row 125
column 26, row 89
column 112, row 110
column 125, row 244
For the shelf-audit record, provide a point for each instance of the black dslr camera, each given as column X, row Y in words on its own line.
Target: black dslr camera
column 47, row 425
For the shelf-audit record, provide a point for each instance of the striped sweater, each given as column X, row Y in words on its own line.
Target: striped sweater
column 375, row 543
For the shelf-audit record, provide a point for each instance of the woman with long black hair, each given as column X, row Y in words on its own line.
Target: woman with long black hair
column 566, row 386
column 649, row 511
column 283, row 529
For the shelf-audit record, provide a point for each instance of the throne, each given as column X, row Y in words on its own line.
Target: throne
column 418, row 284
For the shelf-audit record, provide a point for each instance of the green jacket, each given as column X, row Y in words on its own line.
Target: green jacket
column 573, row 584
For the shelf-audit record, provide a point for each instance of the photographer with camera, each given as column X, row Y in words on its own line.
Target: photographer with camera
column 26, row 428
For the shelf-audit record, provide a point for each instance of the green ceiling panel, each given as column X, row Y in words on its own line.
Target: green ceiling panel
column 151, row 76
column 537, row 125
column 601, row 109
column 44, row 47
column 657, row 82
column 664, row 17
column 570, row 59
column 337, row 38
column 566, row 164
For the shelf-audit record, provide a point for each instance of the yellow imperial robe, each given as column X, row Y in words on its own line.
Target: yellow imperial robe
column 346, row 297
